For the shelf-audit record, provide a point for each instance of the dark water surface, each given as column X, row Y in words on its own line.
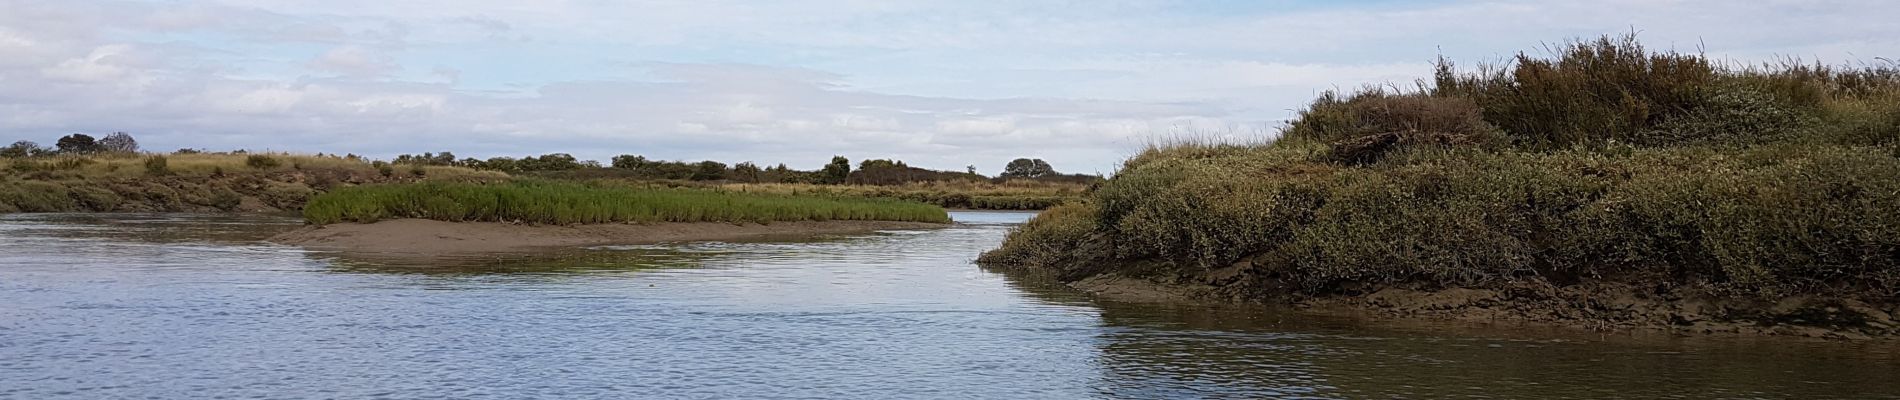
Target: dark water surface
column 195, row 307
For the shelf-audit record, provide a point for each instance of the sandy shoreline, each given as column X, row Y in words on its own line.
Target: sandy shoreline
column 428, row 238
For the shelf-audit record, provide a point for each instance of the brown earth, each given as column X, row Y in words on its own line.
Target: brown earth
column 1595, row 306
column 429, row 238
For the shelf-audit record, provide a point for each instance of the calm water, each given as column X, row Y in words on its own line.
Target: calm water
column 191, row 307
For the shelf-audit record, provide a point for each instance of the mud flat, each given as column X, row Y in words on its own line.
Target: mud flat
column 428, row 238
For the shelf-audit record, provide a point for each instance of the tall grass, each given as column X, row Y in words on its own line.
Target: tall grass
column 573, row 203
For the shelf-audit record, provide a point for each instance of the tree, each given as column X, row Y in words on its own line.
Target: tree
column 709, row 171
column 22, row 148
column 1027, row 168
column 119, row 142
column 78, row 143
column 747, row 172
column 629, row 161
column 835, row 172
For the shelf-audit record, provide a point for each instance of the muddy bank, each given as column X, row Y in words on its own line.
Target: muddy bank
column 428, row 238
column 1595, row 306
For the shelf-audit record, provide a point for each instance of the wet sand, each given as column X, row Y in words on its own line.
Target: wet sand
column 429, row 238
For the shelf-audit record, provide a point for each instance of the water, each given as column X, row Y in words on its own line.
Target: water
column 195, row 307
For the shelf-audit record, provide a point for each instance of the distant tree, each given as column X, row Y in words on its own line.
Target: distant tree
column 119, row 142
column 747, row 172
column 709, row 171
column 835, row 172
column 971, row 169
column 22, row 148
column 629, row 161
column 189, row 150
column 550, row 162
column 1027, row 168
column 78, row 143
column 503, row 164
column 880, row 164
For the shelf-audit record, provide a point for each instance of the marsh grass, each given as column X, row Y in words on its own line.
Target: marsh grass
column 1603, row 161
column 565, row 203
column 1014, row 194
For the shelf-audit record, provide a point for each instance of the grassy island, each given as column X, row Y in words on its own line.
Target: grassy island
column 1604, row 183
column 565, row 203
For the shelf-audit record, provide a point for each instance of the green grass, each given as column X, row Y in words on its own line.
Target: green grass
column 1604, row 162
column 572, row 203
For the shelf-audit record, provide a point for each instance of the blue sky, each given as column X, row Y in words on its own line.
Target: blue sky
column 939, row 83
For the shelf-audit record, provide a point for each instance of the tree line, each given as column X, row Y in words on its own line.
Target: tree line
column 838, row 171
column 77, row 143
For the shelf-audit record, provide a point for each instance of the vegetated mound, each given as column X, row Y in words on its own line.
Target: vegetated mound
column 566, row 203
column 1607, row 185
column 198, row 182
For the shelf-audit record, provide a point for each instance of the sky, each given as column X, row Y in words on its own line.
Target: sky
column 941, row 84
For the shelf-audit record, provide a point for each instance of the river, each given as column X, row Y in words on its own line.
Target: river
column 197, row 307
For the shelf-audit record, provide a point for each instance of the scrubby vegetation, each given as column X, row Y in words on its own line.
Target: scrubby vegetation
column 199, row 180
column 1603, row 162
column 549, row 202
column 189, row 181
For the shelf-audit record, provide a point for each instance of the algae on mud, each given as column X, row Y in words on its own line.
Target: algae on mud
column 1714, row 198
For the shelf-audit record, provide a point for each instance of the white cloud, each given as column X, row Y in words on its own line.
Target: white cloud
column 355, row 60
column 940, row 83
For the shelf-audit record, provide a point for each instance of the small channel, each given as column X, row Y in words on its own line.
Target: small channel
column 196, row 306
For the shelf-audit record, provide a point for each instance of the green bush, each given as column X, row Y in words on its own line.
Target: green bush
column 225, row 199
column 94, row 198
column 1050, row 238
column 260, row 161
column 1607, row 89
column 157, row 165
column 36, row 196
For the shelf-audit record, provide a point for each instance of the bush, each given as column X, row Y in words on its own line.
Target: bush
column 1051, row 238
column 157, row 165
column 34, row 196
column 384, row 169
column 225, row 199
column 260, row 161
column 1592, row 91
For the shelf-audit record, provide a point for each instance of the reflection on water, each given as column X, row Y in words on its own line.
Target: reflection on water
column 195, row 306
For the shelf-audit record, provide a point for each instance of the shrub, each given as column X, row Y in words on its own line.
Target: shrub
column 260, row 161
column 383, row 168
column 225, row 199
column 94, row 198
column 157, row 165
column 1049, row 239
column 1591, row 91
column 35, row 196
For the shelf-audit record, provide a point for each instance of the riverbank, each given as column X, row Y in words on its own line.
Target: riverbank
column 197, row 182
column 428, row 238
column 1601, row 307
column 1607, row 187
